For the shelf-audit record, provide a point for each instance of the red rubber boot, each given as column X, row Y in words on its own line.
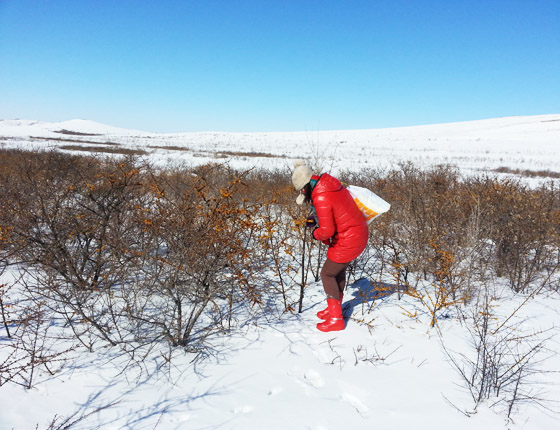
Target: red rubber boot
column 335, row 321
column 324, row 314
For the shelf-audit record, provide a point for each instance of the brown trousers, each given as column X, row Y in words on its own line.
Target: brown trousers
column 333, row 276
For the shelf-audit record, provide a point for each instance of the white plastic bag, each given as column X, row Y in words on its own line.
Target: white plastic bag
column 369, row 203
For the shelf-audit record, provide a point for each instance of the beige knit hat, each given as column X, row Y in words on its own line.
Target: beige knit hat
column 302, row 174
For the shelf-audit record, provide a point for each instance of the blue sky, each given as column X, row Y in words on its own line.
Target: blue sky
column 286, row 65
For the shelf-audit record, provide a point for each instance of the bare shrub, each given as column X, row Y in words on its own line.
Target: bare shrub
column 30, row 347
column 71, row 220
column 421, row 241
column 288, row 246
column 126, row 253
column 503, row 359
column 77, row 418
column 281, row 237
column 444, row 236
column 522, row 225
column 196, row 256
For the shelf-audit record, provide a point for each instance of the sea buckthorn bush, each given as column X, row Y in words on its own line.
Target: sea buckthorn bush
column 126, row 254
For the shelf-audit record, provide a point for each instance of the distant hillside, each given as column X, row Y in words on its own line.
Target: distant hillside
column 511, row 144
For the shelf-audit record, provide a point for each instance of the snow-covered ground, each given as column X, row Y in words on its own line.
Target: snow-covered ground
column 531, row 142
column 286, row 374
column 386, row 370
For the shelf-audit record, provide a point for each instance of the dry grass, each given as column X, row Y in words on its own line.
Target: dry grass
column 103, row 150
column 75, row 133
column 170, row 148
column 248, row 154
column 59, row 139
column 528, row 173
column 218, row 154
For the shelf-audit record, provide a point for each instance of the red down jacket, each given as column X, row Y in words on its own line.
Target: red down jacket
column 339, row 220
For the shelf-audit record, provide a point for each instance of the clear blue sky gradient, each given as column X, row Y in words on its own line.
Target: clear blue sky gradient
column 278, row 65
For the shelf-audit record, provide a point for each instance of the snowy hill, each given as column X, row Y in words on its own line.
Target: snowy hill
column 524, row 142
column 21, row 127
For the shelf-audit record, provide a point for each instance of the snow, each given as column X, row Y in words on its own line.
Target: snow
column 283, row 373
column 287, row 374
column 524, row 142
column 21, row 127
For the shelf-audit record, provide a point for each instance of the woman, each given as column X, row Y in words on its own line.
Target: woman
column 340, row 225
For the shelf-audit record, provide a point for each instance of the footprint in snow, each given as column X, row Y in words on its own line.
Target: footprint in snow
column 184, row 418
column 355, row 403
column 310, row 379
column 274, row 391
column 243, row 409
column 314, row 378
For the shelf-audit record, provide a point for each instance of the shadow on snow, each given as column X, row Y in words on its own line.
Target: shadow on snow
column 366, row 293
